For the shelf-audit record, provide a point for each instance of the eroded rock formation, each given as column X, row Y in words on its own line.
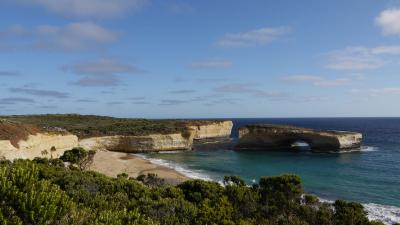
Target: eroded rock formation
column 39, row 145
column 275, row 137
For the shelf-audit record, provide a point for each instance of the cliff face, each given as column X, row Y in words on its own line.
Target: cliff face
column 213, row 130
column 273, row 137
column 38, row 145
column 149, row 143
column 20, row 141
column 159, row 142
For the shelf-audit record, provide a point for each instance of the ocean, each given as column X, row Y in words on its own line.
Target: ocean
column 370, row 175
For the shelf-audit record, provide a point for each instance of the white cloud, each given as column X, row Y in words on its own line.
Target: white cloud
column 100, row 72
column 362, row 58
column 389, row 21
column 299, row 78
column 88, row 8
column 212, row 63
column 386, row 49
column 234, row 88
column 275, row 95
column 71, row 37
column 249, row 89
column 375, row 92
column 184, row 91
column 332, row 83
column 102, row 66
column 354, row 58
column 383, row 91
column 252, row 38
column 317, row 80
column 40, row 92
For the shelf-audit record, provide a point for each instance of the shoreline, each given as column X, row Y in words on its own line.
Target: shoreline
column 114, row 163
column 388, row 214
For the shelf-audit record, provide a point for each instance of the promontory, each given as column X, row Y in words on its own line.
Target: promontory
column 50, row 135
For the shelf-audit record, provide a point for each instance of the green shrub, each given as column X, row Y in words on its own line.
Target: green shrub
column 43, row 191
column 310, row 199
column 76, row 155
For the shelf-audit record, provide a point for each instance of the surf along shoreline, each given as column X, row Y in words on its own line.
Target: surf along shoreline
column 386, row 213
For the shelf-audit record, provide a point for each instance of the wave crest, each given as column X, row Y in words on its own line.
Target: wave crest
column 189, row 173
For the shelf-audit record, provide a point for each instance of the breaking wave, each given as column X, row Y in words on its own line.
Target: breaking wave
column 385, row 213
column 179, row 168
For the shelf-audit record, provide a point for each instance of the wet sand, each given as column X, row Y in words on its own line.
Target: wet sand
column 114, row 163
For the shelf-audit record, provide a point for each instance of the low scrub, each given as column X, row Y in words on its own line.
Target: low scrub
column 47, row 192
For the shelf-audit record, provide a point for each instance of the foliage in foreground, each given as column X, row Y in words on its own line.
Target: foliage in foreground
column 46, row 192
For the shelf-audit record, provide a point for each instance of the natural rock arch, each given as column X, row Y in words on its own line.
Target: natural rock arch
column 276, row 137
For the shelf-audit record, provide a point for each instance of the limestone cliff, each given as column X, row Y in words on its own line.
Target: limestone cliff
column 272, row 137
column 148, row 143
column 18, row 140
column 160, row 142
column 38, row 145
column 214, row 129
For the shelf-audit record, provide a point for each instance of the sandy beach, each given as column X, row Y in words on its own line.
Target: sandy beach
column 114, row 163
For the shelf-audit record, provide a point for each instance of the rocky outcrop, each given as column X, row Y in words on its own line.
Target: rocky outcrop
column 38, row 145
column 274, row 137
column 215, row 129
column 135, row 144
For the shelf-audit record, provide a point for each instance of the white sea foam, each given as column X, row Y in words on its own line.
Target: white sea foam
column 181, row 169
column 362, row 149
column 369, row 149
column 169, row 152
column 384, row 213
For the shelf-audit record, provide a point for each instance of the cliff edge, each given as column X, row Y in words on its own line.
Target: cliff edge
column 27, row 142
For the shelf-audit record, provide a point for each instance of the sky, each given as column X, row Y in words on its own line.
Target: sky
column 200, row 59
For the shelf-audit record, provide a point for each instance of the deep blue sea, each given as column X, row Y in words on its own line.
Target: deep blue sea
column 370, row 175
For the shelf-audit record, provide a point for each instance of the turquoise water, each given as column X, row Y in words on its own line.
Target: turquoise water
column 371, row 175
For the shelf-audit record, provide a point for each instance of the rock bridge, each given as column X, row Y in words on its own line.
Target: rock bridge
column 277, row 137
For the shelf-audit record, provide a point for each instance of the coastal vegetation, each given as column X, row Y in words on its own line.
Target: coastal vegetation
column 51, row 191
column 94, row 126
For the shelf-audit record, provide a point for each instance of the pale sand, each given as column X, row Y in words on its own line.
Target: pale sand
column 114, row 163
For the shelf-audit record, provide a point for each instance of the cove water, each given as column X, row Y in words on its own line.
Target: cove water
column 370, row 175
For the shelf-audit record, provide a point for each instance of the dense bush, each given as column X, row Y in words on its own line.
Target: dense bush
column 93, row 126
column 44, row 191
column 76, row 155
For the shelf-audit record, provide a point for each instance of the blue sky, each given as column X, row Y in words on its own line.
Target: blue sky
column 175, row 59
